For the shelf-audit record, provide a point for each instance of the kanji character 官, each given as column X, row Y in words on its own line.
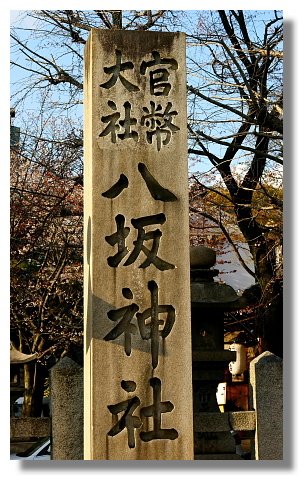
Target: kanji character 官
column 159, row 77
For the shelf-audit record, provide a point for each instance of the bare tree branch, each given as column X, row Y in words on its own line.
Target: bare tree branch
column 226, row 234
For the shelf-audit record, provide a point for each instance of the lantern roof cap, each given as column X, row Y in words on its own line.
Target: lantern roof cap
column 17, row 357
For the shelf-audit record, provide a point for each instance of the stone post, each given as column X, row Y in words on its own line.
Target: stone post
column 137, row 362
column 66, row 388
column 266, row 380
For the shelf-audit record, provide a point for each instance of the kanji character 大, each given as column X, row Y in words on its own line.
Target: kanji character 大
column 115, row 73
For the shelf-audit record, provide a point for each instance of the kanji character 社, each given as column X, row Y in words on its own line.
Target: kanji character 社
column 127, row 420
column 114, row 123
column 155, row 411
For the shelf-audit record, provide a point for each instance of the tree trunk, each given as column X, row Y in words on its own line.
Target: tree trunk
column 34, row 390
column 269, row 323
column 117, row 19
column 269, row 314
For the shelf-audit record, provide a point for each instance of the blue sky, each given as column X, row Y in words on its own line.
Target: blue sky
column 32, row 103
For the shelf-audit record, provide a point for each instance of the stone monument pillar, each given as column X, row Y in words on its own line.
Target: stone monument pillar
column 138, row 383
column 266, row 381
column 66, row 386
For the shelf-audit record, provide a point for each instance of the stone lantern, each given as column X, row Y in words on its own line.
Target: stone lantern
column 17, row 362
column 209, row 301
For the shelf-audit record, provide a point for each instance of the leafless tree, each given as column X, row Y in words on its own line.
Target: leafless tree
column 236, row 123
column 235, row 118
column 46, row 257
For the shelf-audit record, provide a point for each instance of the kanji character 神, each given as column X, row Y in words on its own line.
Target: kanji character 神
column 124, row 316
column 151, row 330
column 150, row 326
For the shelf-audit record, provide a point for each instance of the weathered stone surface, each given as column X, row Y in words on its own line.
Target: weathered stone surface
column 219, row 422
column 25, row 428
column 214, row 442
column 243, row 420
column 218, row 456
column 202, row 257
column 212, row 293
column 137, row 246
column 266, row 379
column 66, row 389
column 213, row 430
